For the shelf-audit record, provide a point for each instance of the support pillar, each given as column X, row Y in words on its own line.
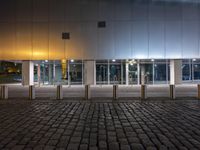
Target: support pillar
column 143, row 92
column 90, row 72
column 59, row 92
column 4, row 92
column 175, row 72
column 31, row 92
column 127, row 74
column 115, row 92
column 87, row 92
column 142, row 67
column 27, row 73
column 172, row 91
column 198, row 91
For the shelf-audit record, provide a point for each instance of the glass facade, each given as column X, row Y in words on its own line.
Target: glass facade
column 107, row 72
column 133, row 73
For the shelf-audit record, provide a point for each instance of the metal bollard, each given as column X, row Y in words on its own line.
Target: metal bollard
column 87, row 92
column 31, row 92
column 4, row 92
column 198, row 91
column 59, row 92
column 143, row 92
column 115, row 92
column 172, row 93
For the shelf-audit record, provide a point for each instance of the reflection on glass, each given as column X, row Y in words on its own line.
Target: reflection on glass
column 186, row 72
column 115, row 73
column 160, row 73
column 75, row 73
column 102, row 73
column 132, row 73
column 196, row 71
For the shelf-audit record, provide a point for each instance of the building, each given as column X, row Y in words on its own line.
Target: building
column 102, row 41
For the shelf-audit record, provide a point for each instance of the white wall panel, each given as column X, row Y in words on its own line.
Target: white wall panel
column 56, row 43
column 40, row 41
column 173, row 11
column 157, row 11
column 89, row 39
column 89, row 11
column 40, row 10
column 106, row 10
column 57, row 10
column 7, row 8
column 156, row 39
column 72, row 11
column 140, row 39
column 173, row 41
column 24, row 41
column 122, row 35
column 139, row 11
column 190, row 12
column 74, row 46
column 190, row 39
column 7, row 40
column 106, row 42
column 24, row 10
column 122, row 11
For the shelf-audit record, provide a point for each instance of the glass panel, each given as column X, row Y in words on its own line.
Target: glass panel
column 159, row 73
column 146, row 72
column 132, row 74
column 75, row 73
column 115, row 73
column 196, row 71
column 186, row 72
column 10, row 72
column 101, row 73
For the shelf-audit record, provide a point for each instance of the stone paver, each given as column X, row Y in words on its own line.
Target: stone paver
column 84, row 125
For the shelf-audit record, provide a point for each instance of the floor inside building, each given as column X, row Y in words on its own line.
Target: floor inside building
column 96, row 125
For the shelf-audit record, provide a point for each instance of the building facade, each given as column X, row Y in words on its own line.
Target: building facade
column 110, row 41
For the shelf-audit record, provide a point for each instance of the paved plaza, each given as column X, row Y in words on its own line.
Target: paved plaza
column 93, row 125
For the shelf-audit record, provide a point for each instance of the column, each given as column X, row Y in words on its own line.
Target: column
column 27, row 73
column 142, row 67
column 127, row 74
column 175, row 71
column 138, row 73
column 90, row 72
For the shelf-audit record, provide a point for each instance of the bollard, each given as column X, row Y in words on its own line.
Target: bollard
column 172, row 93
column 143, row 92
column 87, row 92
column 198, row 90
column 4, row 92
column 31, row 92
column 59, row 92
column 115, row 92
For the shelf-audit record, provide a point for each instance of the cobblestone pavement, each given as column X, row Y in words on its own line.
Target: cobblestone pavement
column 99, row 125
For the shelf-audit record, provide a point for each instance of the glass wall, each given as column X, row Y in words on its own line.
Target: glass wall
column 117, row 72
column 102, row 72
column 133, row 73
column 50, row 72
column 161, row 71
column 76, row 72
column 186, row 70
column 10, row 72
column 110, row 72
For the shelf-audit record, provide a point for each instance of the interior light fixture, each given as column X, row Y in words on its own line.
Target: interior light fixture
column 152, row 59
column 114, row 60
column 72, row 60
column 193, row 59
